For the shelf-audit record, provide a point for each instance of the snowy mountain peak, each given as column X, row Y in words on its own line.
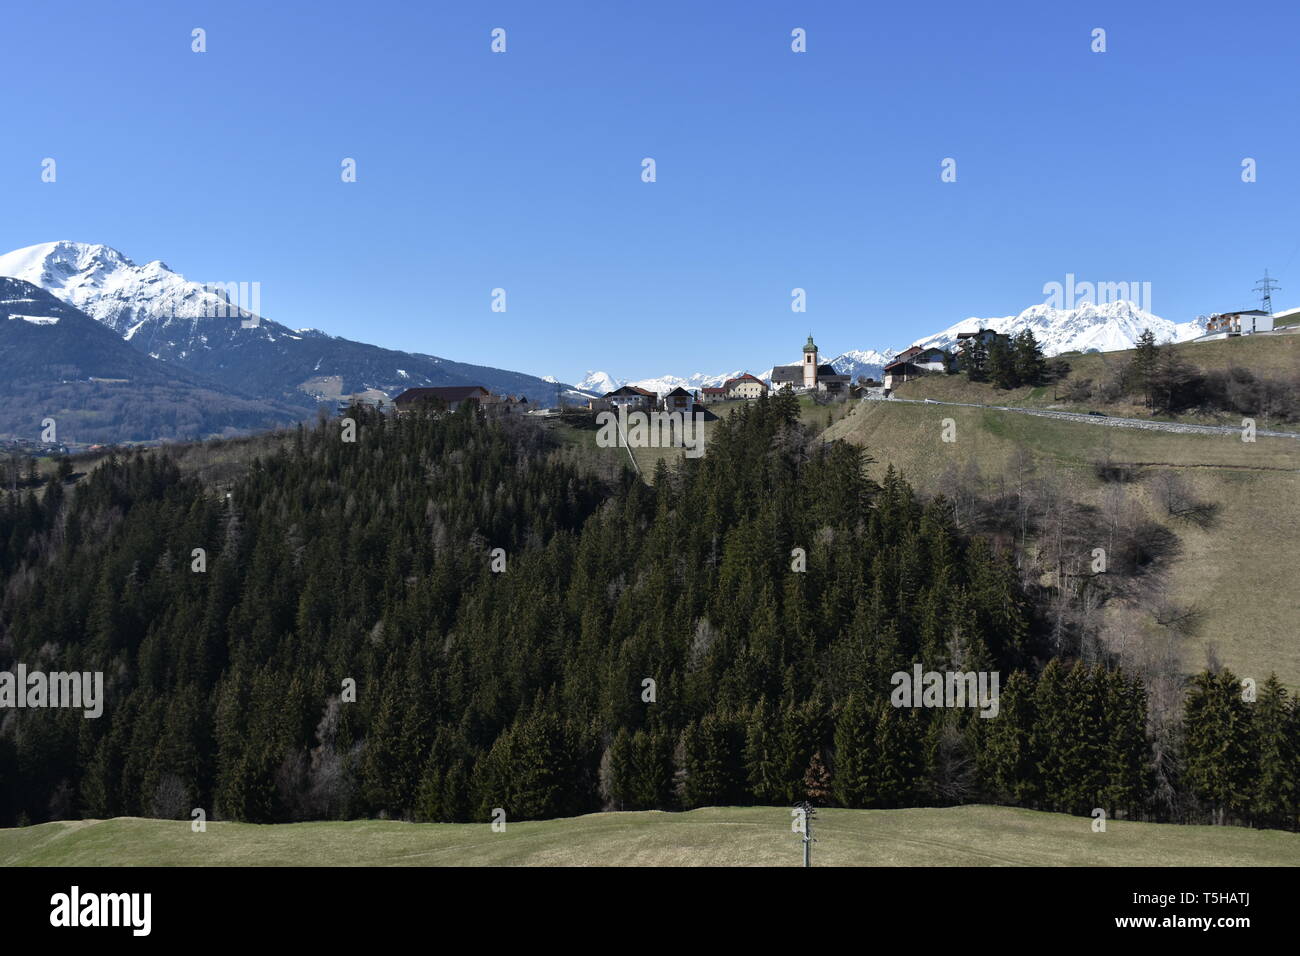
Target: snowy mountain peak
column 126, row 297
column 599, row 383
column 54, row 263
column 1105, row 328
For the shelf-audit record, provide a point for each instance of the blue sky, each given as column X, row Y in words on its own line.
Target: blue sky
column 775, row 170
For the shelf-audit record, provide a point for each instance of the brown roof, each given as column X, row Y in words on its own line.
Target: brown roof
column 631, row 390
column 447, row 393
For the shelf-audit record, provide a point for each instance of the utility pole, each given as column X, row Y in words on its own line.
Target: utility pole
column 1265, row 288
column 803, row 814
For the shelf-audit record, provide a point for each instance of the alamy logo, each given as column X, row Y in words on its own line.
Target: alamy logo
column 233, row 300
column 638, row 429
column 1072, row 295
column 103, row 909
column 23, row 688
column 924, row 688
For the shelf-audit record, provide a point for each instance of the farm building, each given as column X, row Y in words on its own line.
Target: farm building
column 451, row 396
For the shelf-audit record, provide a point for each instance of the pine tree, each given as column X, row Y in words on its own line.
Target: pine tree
column 1143, row 367
column 1127, row 752
column 1083, row 746
column 1051, row 735
column 1273, row 800
column 1009, row 762
column 854, row 754
column 1002, row 363
column 974, row 358
column 1027, row 359
column 761, row 768
column 1219, row 744
column 898, row 749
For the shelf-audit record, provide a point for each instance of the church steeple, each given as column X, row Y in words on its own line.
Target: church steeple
column 810, row 363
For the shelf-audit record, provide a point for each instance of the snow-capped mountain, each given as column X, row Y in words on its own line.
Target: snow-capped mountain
column 598, row 383
column 214, row 330
column 109, row 287
column 56, row 361
column 1105, row 328
column 859, row 363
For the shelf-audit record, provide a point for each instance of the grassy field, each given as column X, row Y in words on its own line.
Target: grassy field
column 716, row 836
column 1240, row 571
column 1271, row 356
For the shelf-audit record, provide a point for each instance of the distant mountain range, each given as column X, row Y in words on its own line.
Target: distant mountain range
column 1100, row 328
column 58, row 363
column 233, row 370
column 198, row 329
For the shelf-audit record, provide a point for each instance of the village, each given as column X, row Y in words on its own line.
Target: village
column 811, row 376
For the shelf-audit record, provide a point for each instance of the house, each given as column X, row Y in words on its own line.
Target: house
column 452, row 396
column 984, row 335
column 712, row 394
column 500, row 405
column 679, row 400
column 631, row 398
column 968, row 340
column 745, row 386
column 810, row 374
column 1246, row 322
column 914, row 362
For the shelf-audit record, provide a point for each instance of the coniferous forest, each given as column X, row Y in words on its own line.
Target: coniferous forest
column 354, row 644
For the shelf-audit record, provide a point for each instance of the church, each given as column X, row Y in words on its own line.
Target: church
column 810, row 374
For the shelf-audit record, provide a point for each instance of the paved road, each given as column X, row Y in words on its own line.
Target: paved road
column 1099, row 419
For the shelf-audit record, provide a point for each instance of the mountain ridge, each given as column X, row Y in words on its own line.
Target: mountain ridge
column 1105, row 328
column 197, row 326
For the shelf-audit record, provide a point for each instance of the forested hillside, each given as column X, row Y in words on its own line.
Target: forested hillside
column 522, row 685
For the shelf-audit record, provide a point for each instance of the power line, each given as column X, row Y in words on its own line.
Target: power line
column 1265, row 288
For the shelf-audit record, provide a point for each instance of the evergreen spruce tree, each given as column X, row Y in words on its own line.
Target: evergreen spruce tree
column 1051, row 737
column 1274, row 797
column 1143, row 367
column 1127, row 752
column 1219, row 745
column 1009, row 762
column 855, row 755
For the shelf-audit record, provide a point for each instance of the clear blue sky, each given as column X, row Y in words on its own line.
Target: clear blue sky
column 775, row 169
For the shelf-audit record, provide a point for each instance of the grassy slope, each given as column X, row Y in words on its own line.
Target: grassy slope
column 1240, row 571
column 716, row 836
column 1267, row 356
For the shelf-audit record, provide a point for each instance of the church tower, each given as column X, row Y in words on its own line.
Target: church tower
column 810, row 363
